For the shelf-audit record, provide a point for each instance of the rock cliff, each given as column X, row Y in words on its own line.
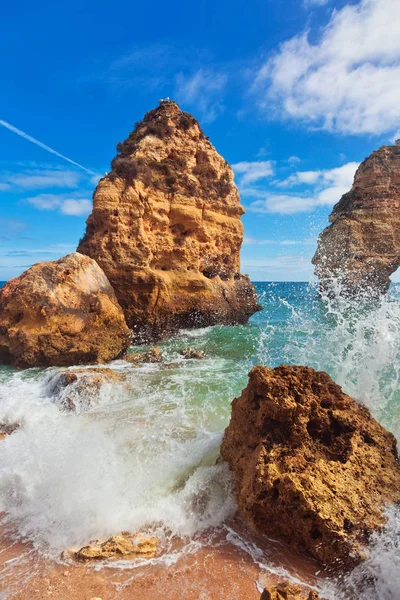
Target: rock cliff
column 166, row 229
column 61, row 313
column 361, row 248
column 309, row 464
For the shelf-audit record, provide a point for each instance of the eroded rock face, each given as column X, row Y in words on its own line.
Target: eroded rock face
column 61, row 313
column 79, row 389
column 166, row 228
column 309, row 464
column 361, row 248
column 120, row 545
column 288, row 591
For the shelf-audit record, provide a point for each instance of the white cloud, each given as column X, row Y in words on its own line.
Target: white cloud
column 76, row 207
column 66, row 205
column 251, row 172
column 395, row 137
column 308, row 3
column 348, row 81
column 203, row 90
column 40, row 178
column 327, row 187
column 294, row 160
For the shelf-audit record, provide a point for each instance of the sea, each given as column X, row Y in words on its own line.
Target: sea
column 144, row 454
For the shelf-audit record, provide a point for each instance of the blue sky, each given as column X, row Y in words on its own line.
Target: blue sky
column 294, row 94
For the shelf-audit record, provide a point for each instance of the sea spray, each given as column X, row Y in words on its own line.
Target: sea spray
column 147, row 457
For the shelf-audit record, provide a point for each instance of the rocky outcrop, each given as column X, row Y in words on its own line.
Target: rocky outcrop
column 166, row 228
column 288, row 591
column 190, row 353
column 309, row 464
column 359, row 251
column 61, row 313
column 78, row 389
column 153, row 355
column 121, row 545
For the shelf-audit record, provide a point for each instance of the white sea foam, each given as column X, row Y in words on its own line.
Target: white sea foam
column 68, row 478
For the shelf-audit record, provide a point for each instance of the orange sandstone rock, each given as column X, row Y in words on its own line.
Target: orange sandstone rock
column 61, row 313
column 122, row 544
column 166, row 229
column 288, row 591
column 361, row 248
column 309, row 464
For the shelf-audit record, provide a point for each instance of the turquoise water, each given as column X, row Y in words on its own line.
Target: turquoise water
column 142, row 454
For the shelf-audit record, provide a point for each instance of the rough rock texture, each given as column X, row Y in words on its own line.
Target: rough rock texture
column 7, row 429
column 189, row 353
column 78, row 389
column 61, row 313
column 166, row 228
column 153, row 355
column 122, row 544
column 288, row 591
column 361, row 248
column 309, row 464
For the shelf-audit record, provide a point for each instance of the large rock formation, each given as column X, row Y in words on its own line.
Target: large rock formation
column 309, row 464
column 61, row 313
column 166, row 228
column 361, row 248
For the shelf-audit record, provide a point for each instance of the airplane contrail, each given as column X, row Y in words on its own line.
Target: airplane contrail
column 41, row 145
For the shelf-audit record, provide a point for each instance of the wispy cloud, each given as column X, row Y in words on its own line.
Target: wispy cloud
column 39, row 178
column 250, row 172
column 65, row 204
column 307, row 190
column 203, row 90
column 309, row 3
column 348, row 81
column 29, row 138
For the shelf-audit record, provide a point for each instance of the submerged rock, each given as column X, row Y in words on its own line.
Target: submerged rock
column 361, row 248
column 192, row 353
column 288, row 591
column 8, row 429
column 309, row 464
column 61, row 313
column 151, row 356
column 123, row 544
column 166, row 228
column 78, row 388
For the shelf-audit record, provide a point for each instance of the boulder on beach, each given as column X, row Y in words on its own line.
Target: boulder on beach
column 78, row 388
column 61, row 313
column 166, row 229
column 120, row 545
column 288, row 591
column 359, row 251
column 309, row 464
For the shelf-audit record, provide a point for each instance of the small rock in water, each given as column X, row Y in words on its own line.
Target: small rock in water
column 7, row 429
column 151, row 356
column 122, row 544
column 288, row 591
column 192, row 353
column 78, row 387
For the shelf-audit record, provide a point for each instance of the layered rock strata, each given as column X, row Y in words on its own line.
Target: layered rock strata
column 166, row 229
column 359, row 251
column 309, row 464
column 61, row 313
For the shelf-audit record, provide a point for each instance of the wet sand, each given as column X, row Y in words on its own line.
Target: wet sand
column 217, row 570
